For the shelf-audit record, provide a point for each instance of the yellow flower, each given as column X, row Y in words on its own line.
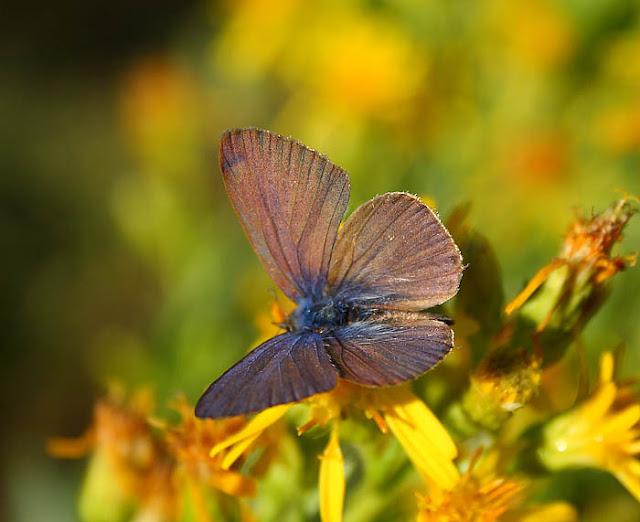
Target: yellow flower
column 536, row 32
column 472, row 499
column 394, row 409
column 482, row 494
column 603, row 432
column 355, row 69
column 362, row 67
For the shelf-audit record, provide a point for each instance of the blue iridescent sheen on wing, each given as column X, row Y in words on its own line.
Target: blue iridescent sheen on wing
column 287, row 368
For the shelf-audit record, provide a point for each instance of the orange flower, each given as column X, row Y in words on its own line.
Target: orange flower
column 574, row 278
column 129, row 470
column 162, row 474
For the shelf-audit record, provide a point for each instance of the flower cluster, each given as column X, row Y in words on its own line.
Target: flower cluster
column 151, row 470
column 498, row 430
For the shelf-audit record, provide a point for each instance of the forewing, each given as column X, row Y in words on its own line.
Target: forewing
column 393, row 252
column 290, row 200
column 287, row 368
column 382, row 354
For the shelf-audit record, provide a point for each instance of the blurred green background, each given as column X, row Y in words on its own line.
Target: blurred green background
column 122, row 258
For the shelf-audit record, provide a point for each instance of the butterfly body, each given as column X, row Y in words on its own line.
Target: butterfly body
column 326, row 315
column 360, row 290
column 319, row 315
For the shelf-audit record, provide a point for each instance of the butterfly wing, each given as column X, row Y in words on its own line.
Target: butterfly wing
column 393, row 252
column 290, row 200
column 286, row 368
column 376, row 353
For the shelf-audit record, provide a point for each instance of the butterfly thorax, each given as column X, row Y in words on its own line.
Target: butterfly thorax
column 319, row 315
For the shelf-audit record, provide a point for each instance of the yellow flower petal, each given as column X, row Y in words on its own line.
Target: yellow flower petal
column 633, row 465
column 606, row 367
column 423, row 437
column 596, row 407
column 416, row 411
column 332, row 482
column 618, row 425
column 253, row 429
column 533, row 285
column 236, row 451
column 630, row 479
column 633, row 448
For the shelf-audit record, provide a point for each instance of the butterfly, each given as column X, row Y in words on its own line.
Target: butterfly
column 360, row 290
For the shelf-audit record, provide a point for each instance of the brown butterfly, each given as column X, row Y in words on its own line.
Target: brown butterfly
column 359, row 291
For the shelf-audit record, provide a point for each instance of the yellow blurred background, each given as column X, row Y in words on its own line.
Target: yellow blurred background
column 122, row 258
